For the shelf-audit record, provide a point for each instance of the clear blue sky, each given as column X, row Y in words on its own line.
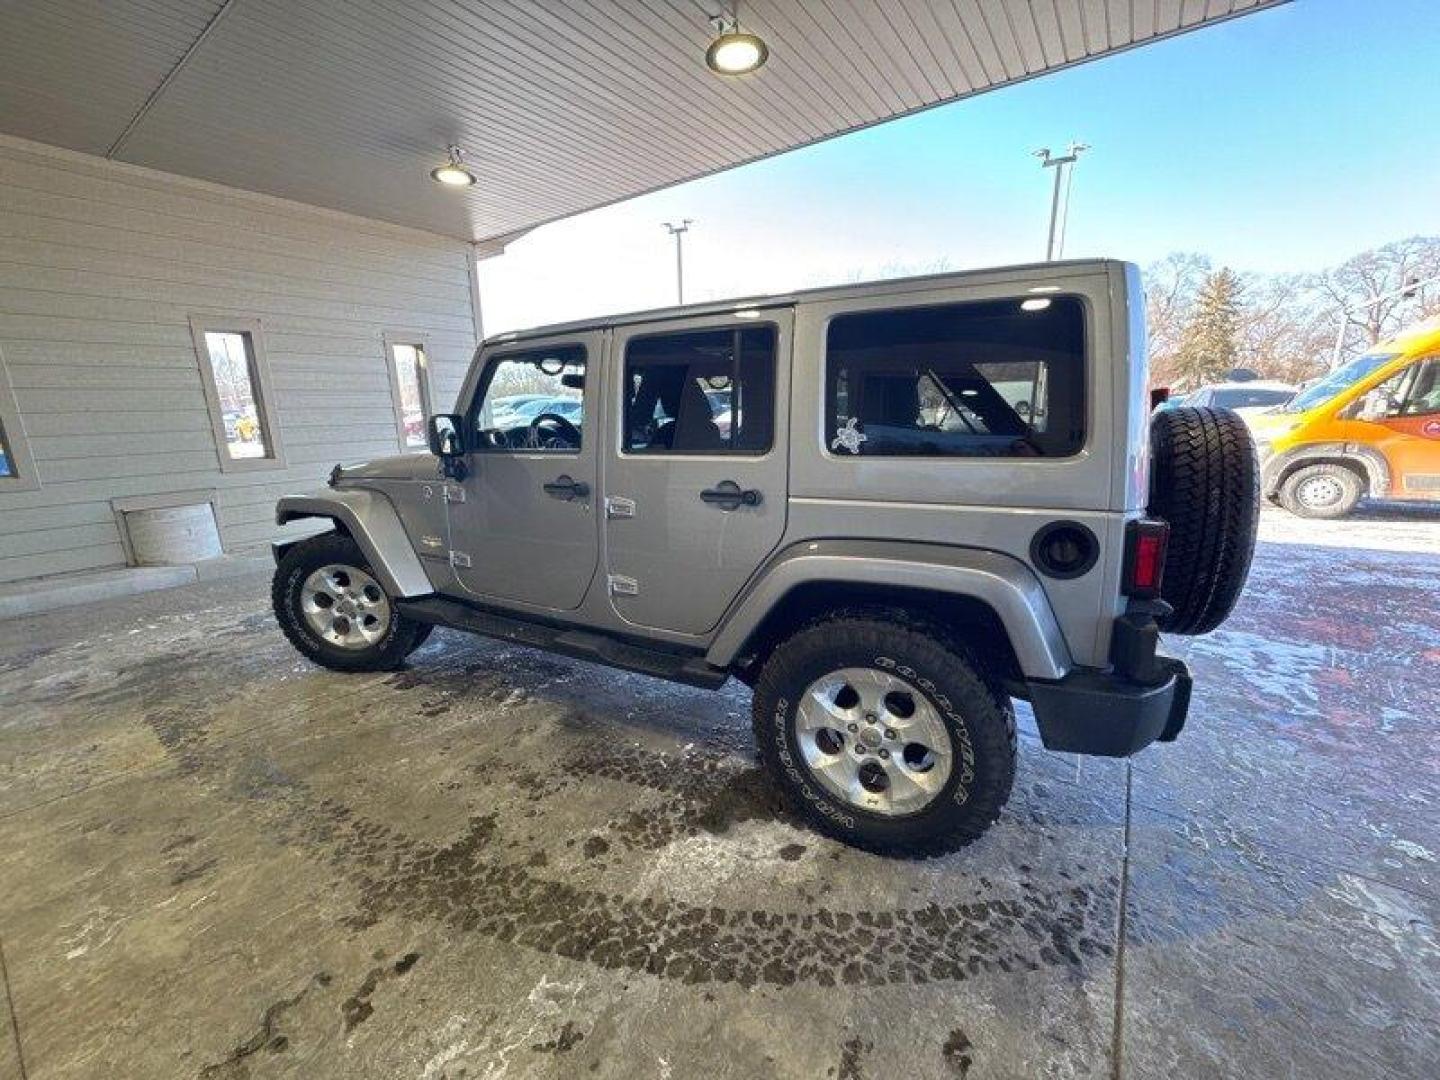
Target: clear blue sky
column 1283, row 141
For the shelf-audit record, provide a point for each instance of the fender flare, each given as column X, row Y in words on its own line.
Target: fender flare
column 371, row 520
column 1368, row 461
column 1006, row 585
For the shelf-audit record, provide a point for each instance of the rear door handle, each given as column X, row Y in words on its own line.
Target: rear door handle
column 566, row 489
column 728, row 495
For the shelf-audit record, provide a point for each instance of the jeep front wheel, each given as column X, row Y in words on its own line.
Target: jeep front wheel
column 885, row 735
column 333, row 609
column 1321, row 491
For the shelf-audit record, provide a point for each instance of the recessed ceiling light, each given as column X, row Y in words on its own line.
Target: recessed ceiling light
column 734, row 52
column 453, row 173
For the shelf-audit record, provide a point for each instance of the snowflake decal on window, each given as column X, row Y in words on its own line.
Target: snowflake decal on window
column 849, row 437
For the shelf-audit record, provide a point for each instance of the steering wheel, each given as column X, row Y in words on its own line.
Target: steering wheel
column 566, row 431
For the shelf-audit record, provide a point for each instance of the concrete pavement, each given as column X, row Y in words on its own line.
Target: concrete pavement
column 218, row 861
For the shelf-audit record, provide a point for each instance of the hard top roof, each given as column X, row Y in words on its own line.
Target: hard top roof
column 1046, row 276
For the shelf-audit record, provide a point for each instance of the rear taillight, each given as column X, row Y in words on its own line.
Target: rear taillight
column 1145, row 542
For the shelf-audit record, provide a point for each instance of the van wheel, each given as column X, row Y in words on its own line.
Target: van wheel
column 333, row 609
column 885, row 735
column 1321, row 491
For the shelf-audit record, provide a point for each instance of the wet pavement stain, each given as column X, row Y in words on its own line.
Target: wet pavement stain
column 473, row 884
column 595, row 846
column 564, row 1042
column 956, row 1053
column 466, row 886
column 267, row 1036
column 358, row 1008
column 191, row 871
column 852, row 1056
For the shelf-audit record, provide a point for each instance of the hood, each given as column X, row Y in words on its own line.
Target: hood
column 399, row 467
column 1264, row 424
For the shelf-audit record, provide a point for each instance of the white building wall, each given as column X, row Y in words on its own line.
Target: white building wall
column 102, row 266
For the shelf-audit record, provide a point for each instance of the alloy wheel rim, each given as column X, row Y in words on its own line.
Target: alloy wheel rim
column 873, row 740
column 345, row 606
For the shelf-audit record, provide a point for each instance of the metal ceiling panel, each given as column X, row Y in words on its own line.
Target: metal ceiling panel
column 73, row 73
column 560, row 105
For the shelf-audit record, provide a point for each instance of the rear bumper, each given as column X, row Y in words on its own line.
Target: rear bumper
column 1108, row 715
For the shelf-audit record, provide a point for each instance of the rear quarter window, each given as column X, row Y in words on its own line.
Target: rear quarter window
column 1003, row 378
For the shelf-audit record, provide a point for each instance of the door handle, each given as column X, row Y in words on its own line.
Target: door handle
column 728, row 495
column 566, row 489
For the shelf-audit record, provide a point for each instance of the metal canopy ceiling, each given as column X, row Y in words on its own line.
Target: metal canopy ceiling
column 560, row 105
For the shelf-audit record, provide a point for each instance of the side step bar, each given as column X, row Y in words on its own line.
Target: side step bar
column 687, row 668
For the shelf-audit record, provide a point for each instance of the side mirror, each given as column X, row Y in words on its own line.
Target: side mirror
column 443, row 432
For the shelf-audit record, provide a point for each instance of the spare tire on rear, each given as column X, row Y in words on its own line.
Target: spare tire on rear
column 1205, row 481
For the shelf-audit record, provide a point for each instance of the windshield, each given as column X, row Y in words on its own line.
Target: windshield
column 1338, row 380
column 1246, row 398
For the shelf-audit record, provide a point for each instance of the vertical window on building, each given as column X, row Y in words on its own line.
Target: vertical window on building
column 7, row 467
column 233, row 367
column 410, row 385
column 17, row 467
column 237, row 390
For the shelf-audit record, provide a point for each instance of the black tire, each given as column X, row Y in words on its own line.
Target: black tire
column 976, row 713
column 1342, row 486
column 400, row 637
column 1205, row 481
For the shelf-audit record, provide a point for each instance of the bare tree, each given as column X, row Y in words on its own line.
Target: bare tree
column 1284, row 324
column 1284, row 334
column 1359, row 289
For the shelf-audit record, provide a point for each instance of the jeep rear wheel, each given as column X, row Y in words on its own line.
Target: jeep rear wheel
column 333, row 608
column 885, row 735
column 1204, row 481
column 1321, row 491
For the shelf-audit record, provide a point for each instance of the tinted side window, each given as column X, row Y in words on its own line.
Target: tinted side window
column 701, row 392
column 990, row 379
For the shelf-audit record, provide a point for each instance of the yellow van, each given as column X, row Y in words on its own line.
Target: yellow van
column 1370, row 428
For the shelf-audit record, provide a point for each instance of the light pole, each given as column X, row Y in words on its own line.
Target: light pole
column 1406, row 291
column 678, row 232
column 1062, row 166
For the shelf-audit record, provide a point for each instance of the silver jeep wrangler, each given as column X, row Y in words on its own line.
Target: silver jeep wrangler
column 890, row 509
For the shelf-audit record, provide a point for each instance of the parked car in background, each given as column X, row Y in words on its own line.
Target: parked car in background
column 569, row 408
column 1245, row 398
column 503, row 407
column 1370, row 428
column 525, row 412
